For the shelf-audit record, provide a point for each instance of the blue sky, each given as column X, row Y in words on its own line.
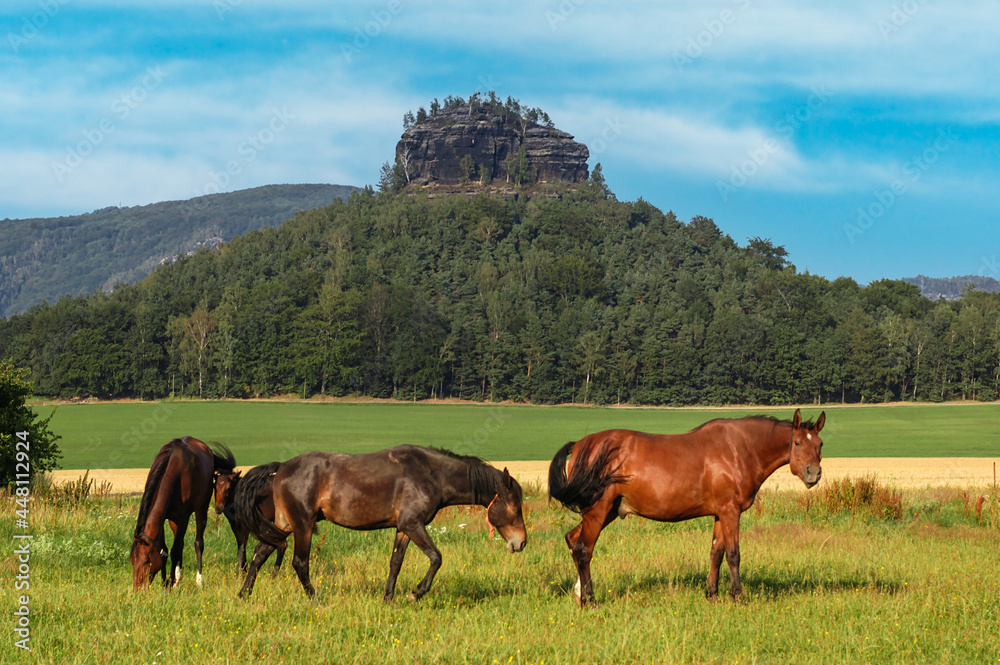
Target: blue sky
column 863, row 136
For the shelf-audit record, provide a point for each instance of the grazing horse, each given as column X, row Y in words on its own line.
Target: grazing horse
column 225, row 504
column 401, row 488
column 179, row 483
column 715, row 469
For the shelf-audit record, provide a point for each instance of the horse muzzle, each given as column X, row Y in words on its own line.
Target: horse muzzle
column 811, row 475
column 516, row 544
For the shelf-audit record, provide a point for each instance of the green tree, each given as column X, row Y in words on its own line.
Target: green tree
column 518, row 168
column 22, row 431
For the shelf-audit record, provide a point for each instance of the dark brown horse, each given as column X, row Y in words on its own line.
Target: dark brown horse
column 179, row 483
column 225, row 504
column 715, row 469
column 401, row 488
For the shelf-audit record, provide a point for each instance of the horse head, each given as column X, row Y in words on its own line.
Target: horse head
column 805, row 448
column 148, row 558
column 505, row 513
column 225, row 487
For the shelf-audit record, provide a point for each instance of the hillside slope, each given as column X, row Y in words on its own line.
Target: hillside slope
column 559, row 293
column 45, row 259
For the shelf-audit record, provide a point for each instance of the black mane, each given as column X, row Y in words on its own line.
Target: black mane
column 487, row 481
column 222, row 456
column 156, row 472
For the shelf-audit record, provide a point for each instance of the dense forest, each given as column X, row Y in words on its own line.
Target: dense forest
column 47, row 258
column 561, row 293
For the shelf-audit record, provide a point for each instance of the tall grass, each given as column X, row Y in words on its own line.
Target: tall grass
column 820, row 586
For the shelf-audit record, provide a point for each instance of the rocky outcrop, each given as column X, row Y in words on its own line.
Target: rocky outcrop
column 435, row 150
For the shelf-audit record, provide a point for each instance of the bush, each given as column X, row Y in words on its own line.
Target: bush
column 42, row 453
column 862, row 496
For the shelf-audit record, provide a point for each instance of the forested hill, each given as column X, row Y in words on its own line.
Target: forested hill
column 558, row 294
column 952, row 288
column 45, row 259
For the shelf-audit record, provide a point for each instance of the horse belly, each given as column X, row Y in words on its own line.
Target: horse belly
column 666, row 495
column 358, row 512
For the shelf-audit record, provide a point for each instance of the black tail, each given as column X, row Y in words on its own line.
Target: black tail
column 222, row 456
column 585, row 486
column 248, row 492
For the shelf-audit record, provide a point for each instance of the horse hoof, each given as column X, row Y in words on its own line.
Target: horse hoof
column 412, row 597
column 199, row 580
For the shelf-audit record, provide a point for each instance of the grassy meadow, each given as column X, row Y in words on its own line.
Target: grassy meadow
column 127, row 435
column 859, row 585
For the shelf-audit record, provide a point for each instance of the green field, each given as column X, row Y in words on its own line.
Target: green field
column 819, row 587
column 127, row 435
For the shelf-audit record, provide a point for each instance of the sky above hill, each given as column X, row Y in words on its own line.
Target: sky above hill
column 863, row 136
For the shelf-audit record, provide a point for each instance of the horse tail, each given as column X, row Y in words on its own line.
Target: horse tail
column 582, row 488
column 247, row 507
column 153, row 480
column 222, row 456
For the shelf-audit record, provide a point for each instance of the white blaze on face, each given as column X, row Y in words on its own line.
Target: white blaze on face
column 809, row 436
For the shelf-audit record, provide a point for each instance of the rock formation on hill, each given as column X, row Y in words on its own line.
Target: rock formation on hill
column 476, row 143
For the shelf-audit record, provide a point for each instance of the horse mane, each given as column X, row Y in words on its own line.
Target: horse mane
column 222, row 456
column 487, row 481
column 156, row 472
column 245, row 503
column 759, row 417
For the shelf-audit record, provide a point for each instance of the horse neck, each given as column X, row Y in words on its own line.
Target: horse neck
column 462, row 487
column 153, row 526
column 773, row 449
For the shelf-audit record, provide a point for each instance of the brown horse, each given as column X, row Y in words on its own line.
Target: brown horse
column 179, row 483
column 225, row 504
column 715, row 469
column 401, row 488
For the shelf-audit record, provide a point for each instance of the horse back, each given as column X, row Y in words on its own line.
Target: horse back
column 360, row 491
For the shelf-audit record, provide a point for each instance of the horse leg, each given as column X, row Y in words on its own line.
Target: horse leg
column 418, row 535
column 241, row 550
column 731, row 531
column 259, row 557
column 725, row 542
column 300, row 558
column 277, row 560
column 395, row 563
column 715, row 561
column 177, row 550
column 582, row 540
column 200, row 519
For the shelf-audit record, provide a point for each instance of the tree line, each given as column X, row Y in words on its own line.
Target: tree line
column 559, row 294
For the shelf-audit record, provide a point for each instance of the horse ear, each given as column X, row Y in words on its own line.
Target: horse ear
column 507, row 480
column 820, row 421
column 797, row 419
